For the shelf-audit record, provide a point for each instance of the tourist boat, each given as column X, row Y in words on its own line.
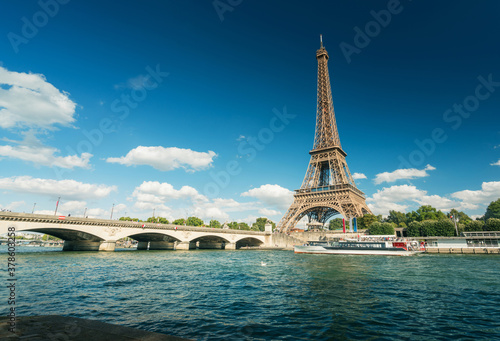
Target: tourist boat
column 361, row 247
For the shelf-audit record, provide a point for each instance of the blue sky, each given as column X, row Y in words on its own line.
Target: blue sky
column 208, row 108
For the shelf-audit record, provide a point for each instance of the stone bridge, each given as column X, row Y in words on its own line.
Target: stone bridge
column 83, row 234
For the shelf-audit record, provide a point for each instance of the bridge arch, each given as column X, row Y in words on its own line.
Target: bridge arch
column 160, row 240
column 99, row 234
column 74, row 240
column 66, row 234
column 209, row 242
column 248, row 242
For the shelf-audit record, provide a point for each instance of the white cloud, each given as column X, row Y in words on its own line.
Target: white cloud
column 156, row 192
column 249, row 219
column 231, row 205
column 73, row 207
column 398, row 193
column 68, row 189
column 28, row 100
column 384, row 207
column 166, row 159
column 273, row 195
column 161, row 210
column 390, row 199
column 240, row 138
column 154, row 195
column 98, row 213
column 268, row 212
column 489, row 192
column 140, row 81
column 398, row 174
column 496, row 163
column 211, row 212
column 45, row 156
column 357, row 176
column 46, row 212
column 78, row 208
column 218, row 208
column 399, row 198
column 12, row 206
column 77, row 211
column 120, row 207
column 438, row 202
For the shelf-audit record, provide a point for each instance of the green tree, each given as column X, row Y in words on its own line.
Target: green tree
column 378, row 228
column 493, row 210
column 411, row 217
column 427, row 212
column 215, row 224
column 475, row 225
column 335, row 224
column 414, row 229
column 398, row 218
column 365, row 221
column 428, row 228
column 259, row 224
column 179, row 221
column 233, row 225
column 492, row 224
column 129, row 219
column 460, row 216
column 49, row 237
column 160, row 220
column 444, row 228
column 194, row 221
column 243, row 226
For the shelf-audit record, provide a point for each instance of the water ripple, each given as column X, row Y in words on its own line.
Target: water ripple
column 228, row 295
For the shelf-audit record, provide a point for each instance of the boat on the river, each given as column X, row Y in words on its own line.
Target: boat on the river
column 362, row 247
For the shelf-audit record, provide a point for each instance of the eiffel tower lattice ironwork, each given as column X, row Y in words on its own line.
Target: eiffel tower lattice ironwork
column 328, row 188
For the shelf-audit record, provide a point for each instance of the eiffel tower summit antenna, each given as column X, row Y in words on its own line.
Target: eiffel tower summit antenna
column 328, row 188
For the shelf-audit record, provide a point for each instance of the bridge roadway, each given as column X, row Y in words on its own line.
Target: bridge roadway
column 84, row 234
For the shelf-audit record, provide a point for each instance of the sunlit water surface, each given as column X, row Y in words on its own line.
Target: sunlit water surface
column 230, row 295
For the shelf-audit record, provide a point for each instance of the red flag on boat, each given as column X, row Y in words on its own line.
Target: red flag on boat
column 343, row 225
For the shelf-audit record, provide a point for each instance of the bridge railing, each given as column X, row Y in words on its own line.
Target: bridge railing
column 49, row 219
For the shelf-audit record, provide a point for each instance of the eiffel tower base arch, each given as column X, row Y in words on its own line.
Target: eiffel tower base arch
column 321, row 206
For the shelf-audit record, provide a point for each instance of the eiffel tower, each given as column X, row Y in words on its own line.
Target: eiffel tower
column 328, row 188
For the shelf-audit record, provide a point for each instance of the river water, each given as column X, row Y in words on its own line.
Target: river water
column 231, row 295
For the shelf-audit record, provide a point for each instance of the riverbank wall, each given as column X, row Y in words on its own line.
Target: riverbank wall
column 464, row 250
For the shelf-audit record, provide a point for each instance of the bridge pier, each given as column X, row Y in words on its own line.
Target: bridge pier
column 108, row 245
column 142, row 245
column 162, row 245
column 184, row 246
column 210, row 245
column 81, row 245
column 230, row 246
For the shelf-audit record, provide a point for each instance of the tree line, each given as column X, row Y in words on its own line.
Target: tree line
column 427, row 221
column 258, row 225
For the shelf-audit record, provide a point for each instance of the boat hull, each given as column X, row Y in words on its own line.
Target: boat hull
column 332, row 251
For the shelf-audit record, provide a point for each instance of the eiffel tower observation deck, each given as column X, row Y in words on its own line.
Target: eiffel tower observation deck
column 328, row 188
